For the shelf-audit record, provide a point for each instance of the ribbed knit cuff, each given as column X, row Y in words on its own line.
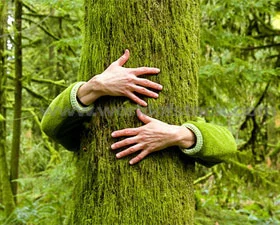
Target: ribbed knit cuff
column 73, row 99
column 199, row 140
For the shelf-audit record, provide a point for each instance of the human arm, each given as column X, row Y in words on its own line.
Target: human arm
column 65, row 117
column 117, row 80
column 208, row 143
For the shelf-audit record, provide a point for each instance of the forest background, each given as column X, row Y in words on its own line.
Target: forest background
column 239, row 89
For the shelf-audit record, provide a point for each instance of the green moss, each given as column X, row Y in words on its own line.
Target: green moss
column 159, row 189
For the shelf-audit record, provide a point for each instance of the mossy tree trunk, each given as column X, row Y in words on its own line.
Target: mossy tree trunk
column 159, row 189
column 18, row 99
column 6, row 197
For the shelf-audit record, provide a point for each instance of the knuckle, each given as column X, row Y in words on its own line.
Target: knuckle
column 146, row 82
column 139, row 157
column 141, row 138
column 124, row 142
column 142, row 89
column 149, row 151
column 134, row 98
column 142, row 69
column 126, row 92
column 129, row 79
column 131, row 150
column 145, row 145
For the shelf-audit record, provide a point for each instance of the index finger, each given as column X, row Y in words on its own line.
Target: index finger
column 125, row 132
column 144, row 70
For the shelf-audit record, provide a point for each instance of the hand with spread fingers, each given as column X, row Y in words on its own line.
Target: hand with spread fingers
column 209, row 143
column 117, row 80
column 153, row 136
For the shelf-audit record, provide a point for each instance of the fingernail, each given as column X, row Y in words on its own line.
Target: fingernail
column 157, row 70
column 113, row 134
column 160, row 86
column 112, row 146
column 117, row 155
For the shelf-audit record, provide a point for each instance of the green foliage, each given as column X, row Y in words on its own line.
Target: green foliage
column 44, row 195
column 2, row 118
column 227, row 198
column 63, row 7
column 46, row 46
column 240, row 68
column 239, row 88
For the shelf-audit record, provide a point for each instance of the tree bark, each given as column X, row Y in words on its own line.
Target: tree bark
column 159, row 189
column 6, row 197
column 18, row 99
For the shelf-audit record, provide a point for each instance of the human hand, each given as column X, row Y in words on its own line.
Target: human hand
column 117, row 80
column 153, row 136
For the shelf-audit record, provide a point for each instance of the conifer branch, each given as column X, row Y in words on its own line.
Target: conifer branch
column 203, row 178
column 42, row 28
column 261, row 47
column 35, row 94
column 48, row 81
column 275, row 151
column 253, row 172
column 65, row 17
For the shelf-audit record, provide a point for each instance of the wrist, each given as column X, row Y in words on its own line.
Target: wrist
column 195, row 148
column 76, row 105
column 184, row 137
column 89, row 92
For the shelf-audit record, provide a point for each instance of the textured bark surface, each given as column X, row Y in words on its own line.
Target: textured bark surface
column 159, row 189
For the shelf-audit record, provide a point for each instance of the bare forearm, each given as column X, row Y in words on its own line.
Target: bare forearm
column 184, row 137
column 89, row 92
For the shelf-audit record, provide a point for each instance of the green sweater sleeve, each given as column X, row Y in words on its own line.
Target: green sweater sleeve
column 215, row 143
column 64, row 122
column 64, row 119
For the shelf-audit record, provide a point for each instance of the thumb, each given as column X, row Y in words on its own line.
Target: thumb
column 123, row 59
column 144, row 118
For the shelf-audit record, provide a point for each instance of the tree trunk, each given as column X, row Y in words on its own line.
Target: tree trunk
column 18, row 99
column 6, row 197
column 159, row 189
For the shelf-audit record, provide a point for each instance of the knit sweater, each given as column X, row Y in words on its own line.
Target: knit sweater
column 65, row 118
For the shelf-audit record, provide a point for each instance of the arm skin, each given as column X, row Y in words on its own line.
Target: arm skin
column 218, row 143
column 63, row 119
column 153, row 136
column 117, row 80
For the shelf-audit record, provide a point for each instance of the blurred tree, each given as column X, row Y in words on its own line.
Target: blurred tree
column 6, row 196
column 239, row 88
column 159, row 189
column 41, row 30
column 15, row 151
column 240, row 70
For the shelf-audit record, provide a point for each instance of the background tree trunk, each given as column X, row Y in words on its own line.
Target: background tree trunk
column 159, row 189
column 6, row 197
column 18, row 99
